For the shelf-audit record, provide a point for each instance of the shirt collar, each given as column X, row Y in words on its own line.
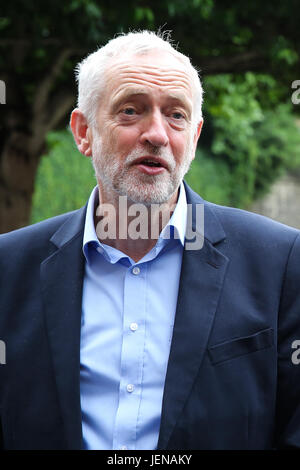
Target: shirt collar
column 178, row 219
column 175, row 228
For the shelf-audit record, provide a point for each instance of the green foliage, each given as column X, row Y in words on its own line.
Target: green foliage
column 65, row 178
column 251, row 146
column 210, row 178
column 284, row 51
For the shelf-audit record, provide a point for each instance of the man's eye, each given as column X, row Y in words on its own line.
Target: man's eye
column 177, row 115
column 129, row 111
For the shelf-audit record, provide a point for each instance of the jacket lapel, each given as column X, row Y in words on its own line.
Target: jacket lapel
column 62, row 278
column 201, row 281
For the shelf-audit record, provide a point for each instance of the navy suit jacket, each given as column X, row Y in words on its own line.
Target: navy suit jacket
column 230, row 383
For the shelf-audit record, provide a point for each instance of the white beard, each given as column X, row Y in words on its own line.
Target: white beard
column 138, row 187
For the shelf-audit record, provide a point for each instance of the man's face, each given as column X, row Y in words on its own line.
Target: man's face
column 144, row 143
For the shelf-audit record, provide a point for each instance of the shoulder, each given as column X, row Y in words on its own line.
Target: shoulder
column 259, row 241
column 34, row 233
column 29, row 245
column 241, row 227
column 241, row 223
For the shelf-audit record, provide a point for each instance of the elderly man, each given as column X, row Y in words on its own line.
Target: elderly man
column 118, row 333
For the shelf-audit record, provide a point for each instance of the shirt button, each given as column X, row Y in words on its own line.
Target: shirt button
column 136, row 270
column 123, row 447
column 130, row 388
column 99, row 249
column 134, row 326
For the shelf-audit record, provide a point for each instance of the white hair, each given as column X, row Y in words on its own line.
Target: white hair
column 91, row 71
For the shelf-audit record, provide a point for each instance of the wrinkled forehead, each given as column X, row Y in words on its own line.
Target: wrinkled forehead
column 155, row 69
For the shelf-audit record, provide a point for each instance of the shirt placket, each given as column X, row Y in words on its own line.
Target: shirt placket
column 132, row 355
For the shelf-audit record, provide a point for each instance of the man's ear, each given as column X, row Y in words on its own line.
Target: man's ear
column 197, row 133
column 81, row 132
column 196, row 136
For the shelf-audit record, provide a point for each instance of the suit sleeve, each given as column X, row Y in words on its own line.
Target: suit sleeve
column 287, row 432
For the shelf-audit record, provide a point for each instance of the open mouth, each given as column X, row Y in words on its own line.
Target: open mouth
column 151, row 162
column 150, row 165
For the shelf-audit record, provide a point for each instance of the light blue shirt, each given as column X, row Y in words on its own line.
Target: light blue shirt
column 128, row 312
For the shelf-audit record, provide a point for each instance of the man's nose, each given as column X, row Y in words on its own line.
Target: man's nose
column 154, row 131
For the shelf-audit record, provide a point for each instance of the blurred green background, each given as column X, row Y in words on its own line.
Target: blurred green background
column 248, row 56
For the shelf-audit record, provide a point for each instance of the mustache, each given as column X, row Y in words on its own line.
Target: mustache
column 140, row 151
column 152, row 151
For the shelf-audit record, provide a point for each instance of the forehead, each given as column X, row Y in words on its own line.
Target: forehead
column 160, row 72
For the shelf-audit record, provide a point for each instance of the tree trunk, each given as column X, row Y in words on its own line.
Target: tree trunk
column 18, row 166
column 27, row 119
column 15, row 209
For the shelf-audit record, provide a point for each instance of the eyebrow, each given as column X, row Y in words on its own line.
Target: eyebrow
column 125, row 95
column 181, row 98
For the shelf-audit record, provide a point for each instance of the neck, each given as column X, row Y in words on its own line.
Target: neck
column 130, row 227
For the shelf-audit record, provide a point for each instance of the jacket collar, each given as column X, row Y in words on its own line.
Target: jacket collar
column 212, row 229
column 71, row 228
